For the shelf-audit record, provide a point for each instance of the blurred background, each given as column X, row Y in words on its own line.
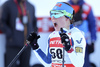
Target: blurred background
column 45, row 27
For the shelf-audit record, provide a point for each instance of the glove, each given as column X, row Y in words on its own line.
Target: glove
column 65, row 40
column 32, row 40
column 91, row 48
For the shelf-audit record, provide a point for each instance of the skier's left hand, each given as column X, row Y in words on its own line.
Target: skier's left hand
column 65, row 40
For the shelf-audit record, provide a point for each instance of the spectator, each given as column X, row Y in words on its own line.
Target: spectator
column 85, row 21
column 17, row 21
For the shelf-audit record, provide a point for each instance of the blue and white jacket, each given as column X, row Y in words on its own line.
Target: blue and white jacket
column 73, row 58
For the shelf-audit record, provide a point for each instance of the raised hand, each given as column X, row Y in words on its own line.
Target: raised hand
column 65, row 40
column 32, row 40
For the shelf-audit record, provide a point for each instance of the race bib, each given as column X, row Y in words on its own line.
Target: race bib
column 57, row 54
column 56, row 50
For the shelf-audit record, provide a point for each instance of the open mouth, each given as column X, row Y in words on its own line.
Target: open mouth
column 55, row 24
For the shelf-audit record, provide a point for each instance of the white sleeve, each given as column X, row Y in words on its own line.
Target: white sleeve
column 77, row 56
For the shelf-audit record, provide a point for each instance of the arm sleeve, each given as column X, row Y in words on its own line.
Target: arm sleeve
column 77, row 58
column 45, row 59
column 92, row 25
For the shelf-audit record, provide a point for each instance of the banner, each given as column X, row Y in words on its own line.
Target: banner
column 44, row 24
column 98, row 23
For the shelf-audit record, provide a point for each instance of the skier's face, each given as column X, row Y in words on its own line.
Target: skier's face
column 61, row 22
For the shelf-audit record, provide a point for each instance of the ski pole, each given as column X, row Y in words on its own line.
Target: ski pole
column 17, row 56
column 63, row 49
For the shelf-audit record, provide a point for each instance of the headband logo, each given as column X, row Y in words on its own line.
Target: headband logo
column 58, row 4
